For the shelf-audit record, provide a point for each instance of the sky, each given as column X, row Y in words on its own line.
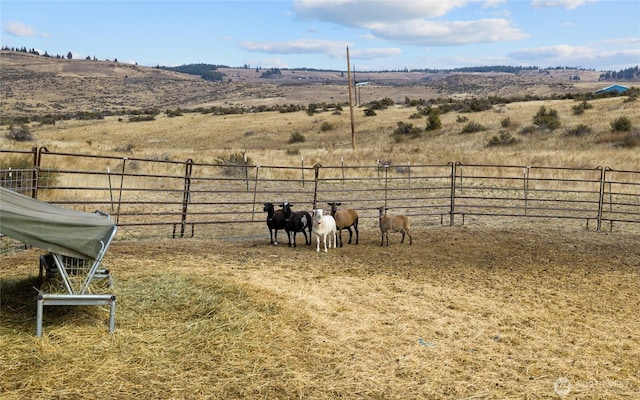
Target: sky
column 380, row 34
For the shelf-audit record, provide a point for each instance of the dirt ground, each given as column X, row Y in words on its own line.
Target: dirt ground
column 464, row 312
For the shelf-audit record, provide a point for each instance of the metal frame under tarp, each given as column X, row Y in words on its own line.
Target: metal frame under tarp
column 77, row 243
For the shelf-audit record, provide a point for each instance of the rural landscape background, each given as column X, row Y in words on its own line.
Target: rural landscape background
column 480, row 311
column 110, row 98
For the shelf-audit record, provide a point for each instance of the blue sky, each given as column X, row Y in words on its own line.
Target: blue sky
column 380, row 34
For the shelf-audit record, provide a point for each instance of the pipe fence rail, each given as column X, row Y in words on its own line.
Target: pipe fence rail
column 155, row 198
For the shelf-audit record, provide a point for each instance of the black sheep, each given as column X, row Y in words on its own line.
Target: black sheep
column 296, row 221
column 275, row 222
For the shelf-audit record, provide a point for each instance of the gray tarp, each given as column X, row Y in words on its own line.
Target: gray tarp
column 53, row 228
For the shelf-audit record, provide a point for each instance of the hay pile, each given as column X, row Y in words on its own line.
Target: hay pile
column 466, row 312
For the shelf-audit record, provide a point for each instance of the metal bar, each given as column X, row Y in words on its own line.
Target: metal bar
column 75, row 300
column 186, row 197
column 124, row 161
column 452, row 208
column 526, row 187
column 601, row 198
column 315, row 185
column 255, row 192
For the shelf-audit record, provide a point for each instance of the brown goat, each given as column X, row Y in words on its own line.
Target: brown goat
column 345, row 219
column 396, row 223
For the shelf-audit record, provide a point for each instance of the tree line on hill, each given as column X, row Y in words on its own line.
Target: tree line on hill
column 209, row 71
column 628, row 74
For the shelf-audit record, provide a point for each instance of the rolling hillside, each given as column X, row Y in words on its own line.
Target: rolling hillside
column 39, row 85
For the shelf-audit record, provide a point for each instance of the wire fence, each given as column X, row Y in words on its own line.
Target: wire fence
column 167, row 198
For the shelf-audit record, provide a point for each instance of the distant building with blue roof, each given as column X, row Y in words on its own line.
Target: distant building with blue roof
column 612, row 88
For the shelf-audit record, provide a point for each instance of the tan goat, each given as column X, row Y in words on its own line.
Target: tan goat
column 345, row 219
column 396, row 223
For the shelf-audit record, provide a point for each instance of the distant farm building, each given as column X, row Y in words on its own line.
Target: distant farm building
column 612, row 88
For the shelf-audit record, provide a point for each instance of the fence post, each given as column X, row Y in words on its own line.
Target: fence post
column 124, row 164
column 302, row 168
column 34, row 175
column 527, row 169
column 186, row 195
column 452, row 210
column 601, row 198
column 386, row 183
column 255, row 192
column 315, row 189
column 36, row 170
column 246, row 169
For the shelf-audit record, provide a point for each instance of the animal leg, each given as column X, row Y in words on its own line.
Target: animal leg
column 402, row 241
column 410, row 239
column 355, row 227
column 307, row 242
column 350, row 235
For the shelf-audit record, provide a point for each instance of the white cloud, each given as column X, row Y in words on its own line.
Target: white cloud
column 411, row 22
column 631, row 41
column 582, row 56
column 427, row 33
column 370, row 54
column 567, row 4
column 465, row 61
column 268, row 63
column 367, row 36
column 493, row 3
column 332, row 49
column 554, row 52
column 355, row 13
column 19, row 29
column 300, row 46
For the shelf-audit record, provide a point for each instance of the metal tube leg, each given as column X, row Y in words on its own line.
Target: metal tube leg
column 112, row 315
column 39, row 316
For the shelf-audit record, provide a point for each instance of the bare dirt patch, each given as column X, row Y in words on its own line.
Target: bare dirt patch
column 466, row 312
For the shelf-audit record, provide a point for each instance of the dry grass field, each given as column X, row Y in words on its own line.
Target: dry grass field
column 481, row 311
column 265, row 137
column 71, row 85
column 466, row 312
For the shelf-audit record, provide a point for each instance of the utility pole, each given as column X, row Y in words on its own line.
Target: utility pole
column 353, row 129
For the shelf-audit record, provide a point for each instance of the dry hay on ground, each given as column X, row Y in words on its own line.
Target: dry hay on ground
column 466, row 312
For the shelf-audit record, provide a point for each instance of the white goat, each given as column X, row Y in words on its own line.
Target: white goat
column 397, row 223
column 324, row 225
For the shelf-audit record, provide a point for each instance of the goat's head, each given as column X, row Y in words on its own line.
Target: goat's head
column 317, row 215
column 334, row 207
column 286, row 210
column 383, row 211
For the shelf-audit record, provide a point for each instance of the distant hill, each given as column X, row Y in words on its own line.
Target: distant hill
column 38, row 85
